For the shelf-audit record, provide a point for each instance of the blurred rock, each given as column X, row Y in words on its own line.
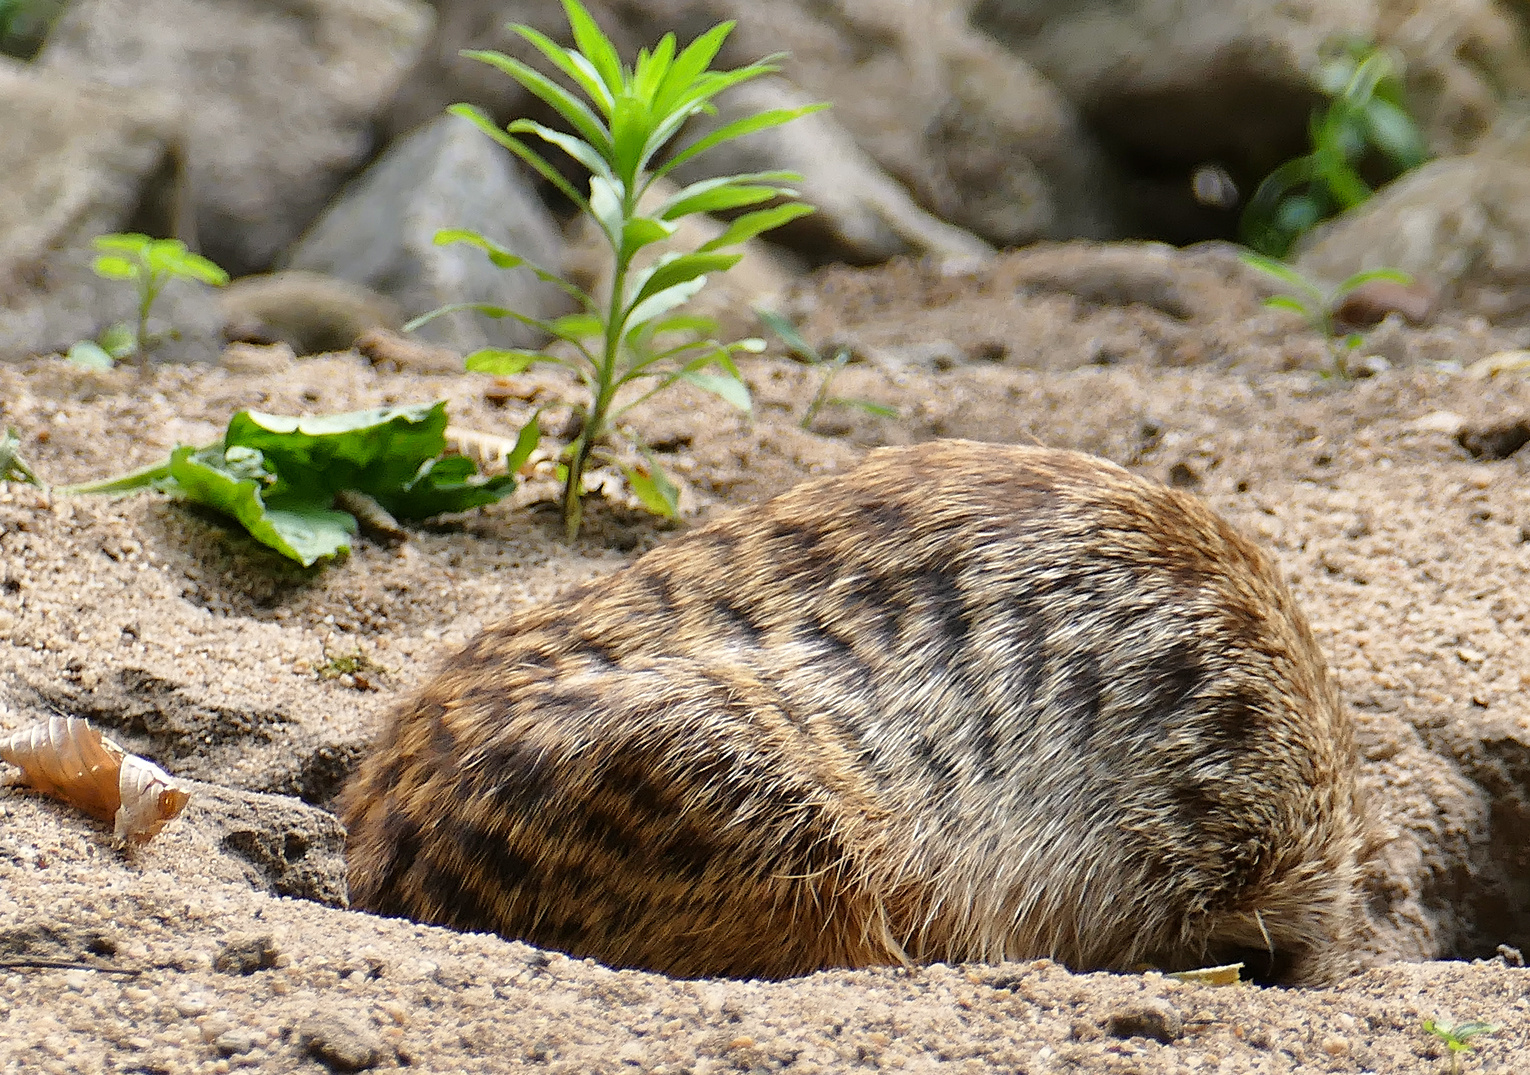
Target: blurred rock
column 81, row 160
column 277, row 98
column 1179, row 85
column 1459, row 223
column 311, row 312
column 380, row 233
column 281, row 845
column 864, row 215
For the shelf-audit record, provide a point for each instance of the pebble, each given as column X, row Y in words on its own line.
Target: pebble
column 342, row 1042
column 1152, row 1018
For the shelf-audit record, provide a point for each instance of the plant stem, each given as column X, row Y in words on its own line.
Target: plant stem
column 145, row 300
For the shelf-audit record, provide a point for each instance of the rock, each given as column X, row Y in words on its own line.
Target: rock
column 244, row 955
column 278, row 98
column 282, row 845
column 1178, row 85
column 82, row 160
column 977, row 136
column 1461, row 224
column 1151, row 1018
column 381, row 232
column 863, row 214
column 342, row 1042
column 310, row 311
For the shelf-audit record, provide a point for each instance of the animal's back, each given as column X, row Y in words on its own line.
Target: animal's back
column 964, row 702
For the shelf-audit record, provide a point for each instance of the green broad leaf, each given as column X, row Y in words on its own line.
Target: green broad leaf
column 654, row 490
column 595, row 46
column 113, row 267
column 571, row 108
column 662, row 302
column 165, row 255
column 1298, row 214
column 746, row 227
column 643, row 231
column 1352, row 341
column 788, row 334
column 499, row 255
column 577, row 148
column 533, row 159
column 444, row 485
column 1395, row 276
column 131, row 242
column 731, row 390
column 305, row 532
column 196, row 267
column 1287, row 302
column 374, row 451
column 119, row 341
column 679, row 270
column 721, row 196
column 91, row 355
column 772, row 117
column 502, row 361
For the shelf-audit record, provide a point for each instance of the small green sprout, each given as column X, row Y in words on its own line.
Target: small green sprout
column 1365, row 119
column 1457, row 1038
column 1317, row 306
column 806, row 352
column 635, row 334
column 13, row 468
column 150, row 264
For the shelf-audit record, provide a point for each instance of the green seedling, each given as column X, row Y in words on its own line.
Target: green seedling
column 1317, row 306
column 1458, row 1038
column 13, row 468
column 280, row 477
column 150, row 264
column 115, row 344
column 1365, row 125
column 623, row 120
column 805, row 352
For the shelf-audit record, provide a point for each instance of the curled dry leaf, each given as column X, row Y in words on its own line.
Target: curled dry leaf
column 68, row 759
column 488, row 450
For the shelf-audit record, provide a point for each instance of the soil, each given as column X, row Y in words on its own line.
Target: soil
column 196, row 647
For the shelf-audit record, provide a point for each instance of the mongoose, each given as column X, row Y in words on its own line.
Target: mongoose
column 963, row 702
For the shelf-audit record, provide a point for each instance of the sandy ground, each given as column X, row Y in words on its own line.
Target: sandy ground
column 209, row 951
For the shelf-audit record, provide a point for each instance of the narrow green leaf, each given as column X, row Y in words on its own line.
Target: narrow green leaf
column 788, row 334
column 701, row 326
column 1393, row 132
column 576, row 148
column 525, row 443
column 678, row 270
column 746, row 227
column 537, row 163
column 502, row 361
column 576, row 327
column 132, row 482
column 1288, row 302
column 499, row 255
column 881, row 410
column 689, row 66
column 113, row 267
column 729, row 389
column 607, row 209
column 630, row 127
column 126, row 243
column 652, row 68
column 1395, row 276
column 581, row 73
column 571, row 108
column 595, row 46
column 1280, row 270
column 721, row 196
column 654, row 490
column 661, row 302
column 643, row 231
column 760, row 121
column 477, row 307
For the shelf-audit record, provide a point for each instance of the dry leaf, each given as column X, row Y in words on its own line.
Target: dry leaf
column 487, row 450
column 1227, row 974
column 69, row 760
